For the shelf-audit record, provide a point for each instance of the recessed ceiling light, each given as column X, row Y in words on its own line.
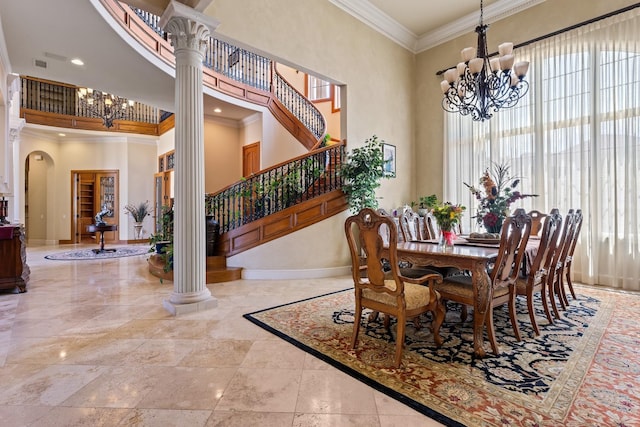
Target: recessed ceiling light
column 62, row 134
column 77, row 61
column 217, row 110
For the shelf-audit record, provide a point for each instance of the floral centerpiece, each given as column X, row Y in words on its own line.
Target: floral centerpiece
column 497, row 193
column 447, row 215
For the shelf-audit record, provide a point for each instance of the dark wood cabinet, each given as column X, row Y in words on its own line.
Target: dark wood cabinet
column 14, row 271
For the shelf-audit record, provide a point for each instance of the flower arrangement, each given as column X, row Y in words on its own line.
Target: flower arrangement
column 446, row 214
column 139, row 211
column 496, row 196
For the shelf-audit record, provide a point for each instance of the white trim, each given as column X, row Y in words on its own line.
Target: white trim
column 492, row 13
column 384, row 24
column 367, row 13
column 314, row 273
column 223, row 121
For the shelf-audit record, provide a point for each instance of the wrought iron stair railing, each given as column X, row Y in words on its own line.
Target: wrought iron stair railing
column 277, row 188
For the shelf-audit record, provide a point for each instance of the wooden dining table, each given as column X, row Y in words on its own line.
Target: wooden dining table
column 465, row 256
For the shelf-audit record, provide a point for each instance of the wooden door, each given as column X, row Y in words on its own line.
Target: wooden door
column 107, row 198
column 91, row 191
column 83, row 212
column 250, row 159
column 162, row 195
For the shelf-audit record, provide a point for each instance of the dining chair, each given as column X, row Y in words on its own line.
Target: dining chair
column 569, row 258
column 410, row 225
column 502, row 277
column 411, row 231
column 430, row 229
column 388, row 291
column 536, row 221
column 556, row 268
column 535, row 278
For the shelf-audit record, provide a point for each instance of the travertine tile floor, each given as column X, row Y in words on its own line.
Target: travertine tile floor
column 90, row 344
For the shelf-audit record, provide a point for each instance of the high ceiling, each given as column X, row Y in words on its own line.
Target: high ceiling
column 111, row 64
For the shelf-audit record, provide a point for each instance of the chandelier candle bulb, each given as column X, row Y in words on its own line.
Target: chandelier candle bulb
column 506, row 62
column 514, row 80
column 461, row 67
column 468, row 53
column 475, row 65
column 505, row 48
column 495, row 64
column 451, row 75
column 445, row 85
column 521, row 68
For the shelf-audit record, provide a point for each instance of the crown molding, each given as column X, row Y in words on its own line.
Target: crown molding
column 370, row 15
column 384, row 24
column 492, row 13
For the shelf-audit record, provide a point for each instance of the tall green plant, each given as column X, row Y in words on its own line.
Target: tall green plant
column 361, row 174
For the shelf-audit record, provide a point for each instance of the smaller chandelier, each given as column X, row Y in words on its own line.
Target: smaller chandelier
column 480, row 85
column 103, row 105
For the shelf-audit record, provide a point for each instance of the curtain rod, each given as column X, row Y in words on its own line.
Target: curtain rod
column 564, row 30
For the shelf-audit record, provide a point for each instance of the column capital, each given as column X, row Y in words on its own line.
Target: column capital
column 188, row 28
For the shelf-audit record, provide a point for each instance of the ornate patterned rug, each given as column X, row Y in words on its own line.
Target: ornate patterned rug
column 582, row 371
column 84, row 254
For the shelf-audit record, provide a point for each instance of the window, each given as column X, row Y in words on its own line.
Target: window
column 335, row 99
column 575, row 141
column 318, row 89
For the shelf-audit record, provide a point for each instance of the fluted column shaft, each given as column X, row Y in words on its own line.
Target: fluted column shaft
column 189, row 38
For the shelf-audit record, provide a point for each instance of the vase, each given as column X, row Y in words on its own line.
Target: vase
column 213, row 232
column 446, row 241
column 137, row 230
column 494, row 228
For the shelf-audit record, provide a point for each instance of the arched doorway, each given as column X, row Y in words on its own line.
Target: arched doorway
column 38, row 175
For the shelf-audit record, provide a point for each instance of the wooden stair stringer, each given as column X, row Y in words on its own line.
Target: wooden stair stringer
column 287, row 221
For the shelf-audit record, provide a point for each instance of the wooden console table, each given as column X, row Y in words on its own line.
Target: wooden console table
column 101, row 229
column 14, row 271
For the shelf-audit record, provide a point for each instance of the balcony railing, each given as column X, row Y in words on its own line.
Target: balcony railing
column 277, row 188
column 253, row 70
column 60, row 98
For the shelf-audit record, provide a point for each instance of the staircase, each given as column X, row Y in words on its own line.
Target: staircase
column 217, row 270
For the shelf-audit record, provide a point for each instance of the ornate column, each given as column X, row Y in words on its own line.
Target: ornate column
column 189, row 31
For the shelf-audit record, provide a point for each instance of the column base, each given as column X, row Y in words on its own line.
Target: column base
column 179, row 309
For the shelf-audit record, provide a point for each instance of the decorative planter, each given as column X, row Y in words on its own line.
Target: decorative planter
column 160, row 247
column 137, row 230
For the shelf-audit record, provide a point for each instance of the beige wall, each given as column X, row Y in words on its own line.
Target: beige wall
column 137, row 184
column 133, row 156
column 36, row 223
column 222, row 153
column 547, row 17
column 316, row 35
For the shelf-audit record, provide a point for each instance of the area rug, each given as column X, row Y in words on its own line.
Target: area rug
column 86, row 254
column 582, row 371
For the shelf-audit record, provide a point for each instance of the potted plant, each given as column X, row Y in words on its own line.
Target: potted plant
column 161, row 240
column 139, row 212
column 361, row 174
column 425, row 203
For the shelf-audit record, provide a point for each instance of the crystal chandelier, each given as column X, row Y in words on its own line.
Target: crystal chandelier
column 103, row 105
column 480, row 85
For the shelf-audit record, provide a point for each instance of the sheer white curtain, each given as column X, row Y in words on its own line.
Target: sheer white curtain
column 575, row 141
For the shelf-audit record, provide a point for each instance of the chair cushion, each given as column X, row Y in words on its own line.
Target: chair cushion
column 415, row 295
column 462, row 285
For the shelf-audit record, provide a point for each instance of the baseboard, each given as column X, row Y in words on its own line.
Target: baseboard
column 314, row 273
